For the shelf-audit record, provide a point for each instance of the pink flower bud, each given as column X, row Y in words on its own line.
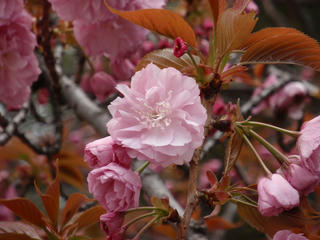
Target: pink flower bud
column 308, row 145
column 111, row 223
column 116, row 188
column 104, row 151
column 275, row 195
column 252, row 6
column 102, row 85
column 179, row 47
column 301, row 178
column 288, row 235
column 207, row 24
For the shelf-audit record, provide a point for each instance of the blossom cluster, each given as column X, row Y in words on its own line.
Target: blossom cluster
column 18, row 64
column 98, row 30
column 282, row 190
column 160, row 119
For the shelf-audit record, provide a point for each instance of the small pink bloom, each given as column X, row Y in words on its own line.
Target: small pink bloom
column 122, row 68
column 219, row 107
column 252, row 6
column 116, row 188
column 300, row 177
column 204, row 47
column 103, row 151
column 160, row 118
column 179, row 47
column 102, row 84
column 288, row 235
column 111, row 223
column 43, row 95
column 207, row 24
column 276, row 195
column 308, row 145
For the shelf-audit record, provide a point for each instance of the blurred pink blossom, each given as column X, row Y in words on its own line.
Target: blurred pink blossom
column 252, row 6
column 5, row 213
column 213, row 165
column 18, row 64
column 122, row 68
column 288, row 235
column 276, row 195
column 116, row 188
column 219, row 107
column 10, row 10
column 308, row 145
column 290, row 99
column 102, row 84
column 103, row 151
column 111, row 223
column 160, row 118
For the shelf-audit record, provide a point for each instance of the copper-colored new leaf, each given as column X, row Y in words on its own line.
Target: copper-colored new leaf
column 73, row 203
column 281, row 45
column 25, row 209
column 233, row 29
column 270, row 225
column 161, row 21
column 89, row 217
column 16, row 236
column 164, row 58
column 233, row 150
column 50, row 200
column 217, row 7
column 219, row 223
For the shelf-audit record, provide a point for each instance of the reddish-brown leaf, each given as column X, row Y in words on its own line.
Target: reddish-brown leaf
column 50, row 200
column 25, row 209
column 270, row 225
column 16, row 236
column 161, row 21
column 164, row 58
column 88, row 217
column 217, row 7
column 20, row 228
column 233, row 29
column 73, row 203
column 281, row 45
column 219, row 223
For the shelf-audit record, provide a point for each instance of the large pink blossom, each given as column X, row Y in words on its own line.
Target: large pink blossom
column 276, row 195
column 116, row 37
column 103, row 151
column 102, row 84
column 288, row 235
column 160, row 118
column 116, row 188
column 308, row 145
column 18, row 64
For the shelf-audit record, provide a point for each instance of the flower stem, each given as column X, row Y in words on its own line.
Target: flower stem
column 136, row 219
column 275, row 152
column 197, row 67
column 282, row 130
column 144, row 209
column 246, row 139
column 143, row 167
column 142, row 230
column 243, row 202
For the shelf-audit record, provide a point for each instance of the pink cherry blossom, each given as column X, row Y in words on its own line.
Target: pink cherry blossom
column 213, row 165
column 300, row 177
column 122, row 68
column 180, row 47
column 111, row 223
column 288, row 235
column 290, row 99
column 252, row 6
column 103, row 151
column 10, row 11
column 115, row 37
column 160, row 118
column 116, row 188
column 219, row 107
column 102, row 84
column 18, row 64
column 308, row 145
column 276, row 195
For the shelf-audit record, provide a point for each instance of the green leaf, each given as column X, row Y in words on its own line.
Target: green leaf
column 161, row 21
